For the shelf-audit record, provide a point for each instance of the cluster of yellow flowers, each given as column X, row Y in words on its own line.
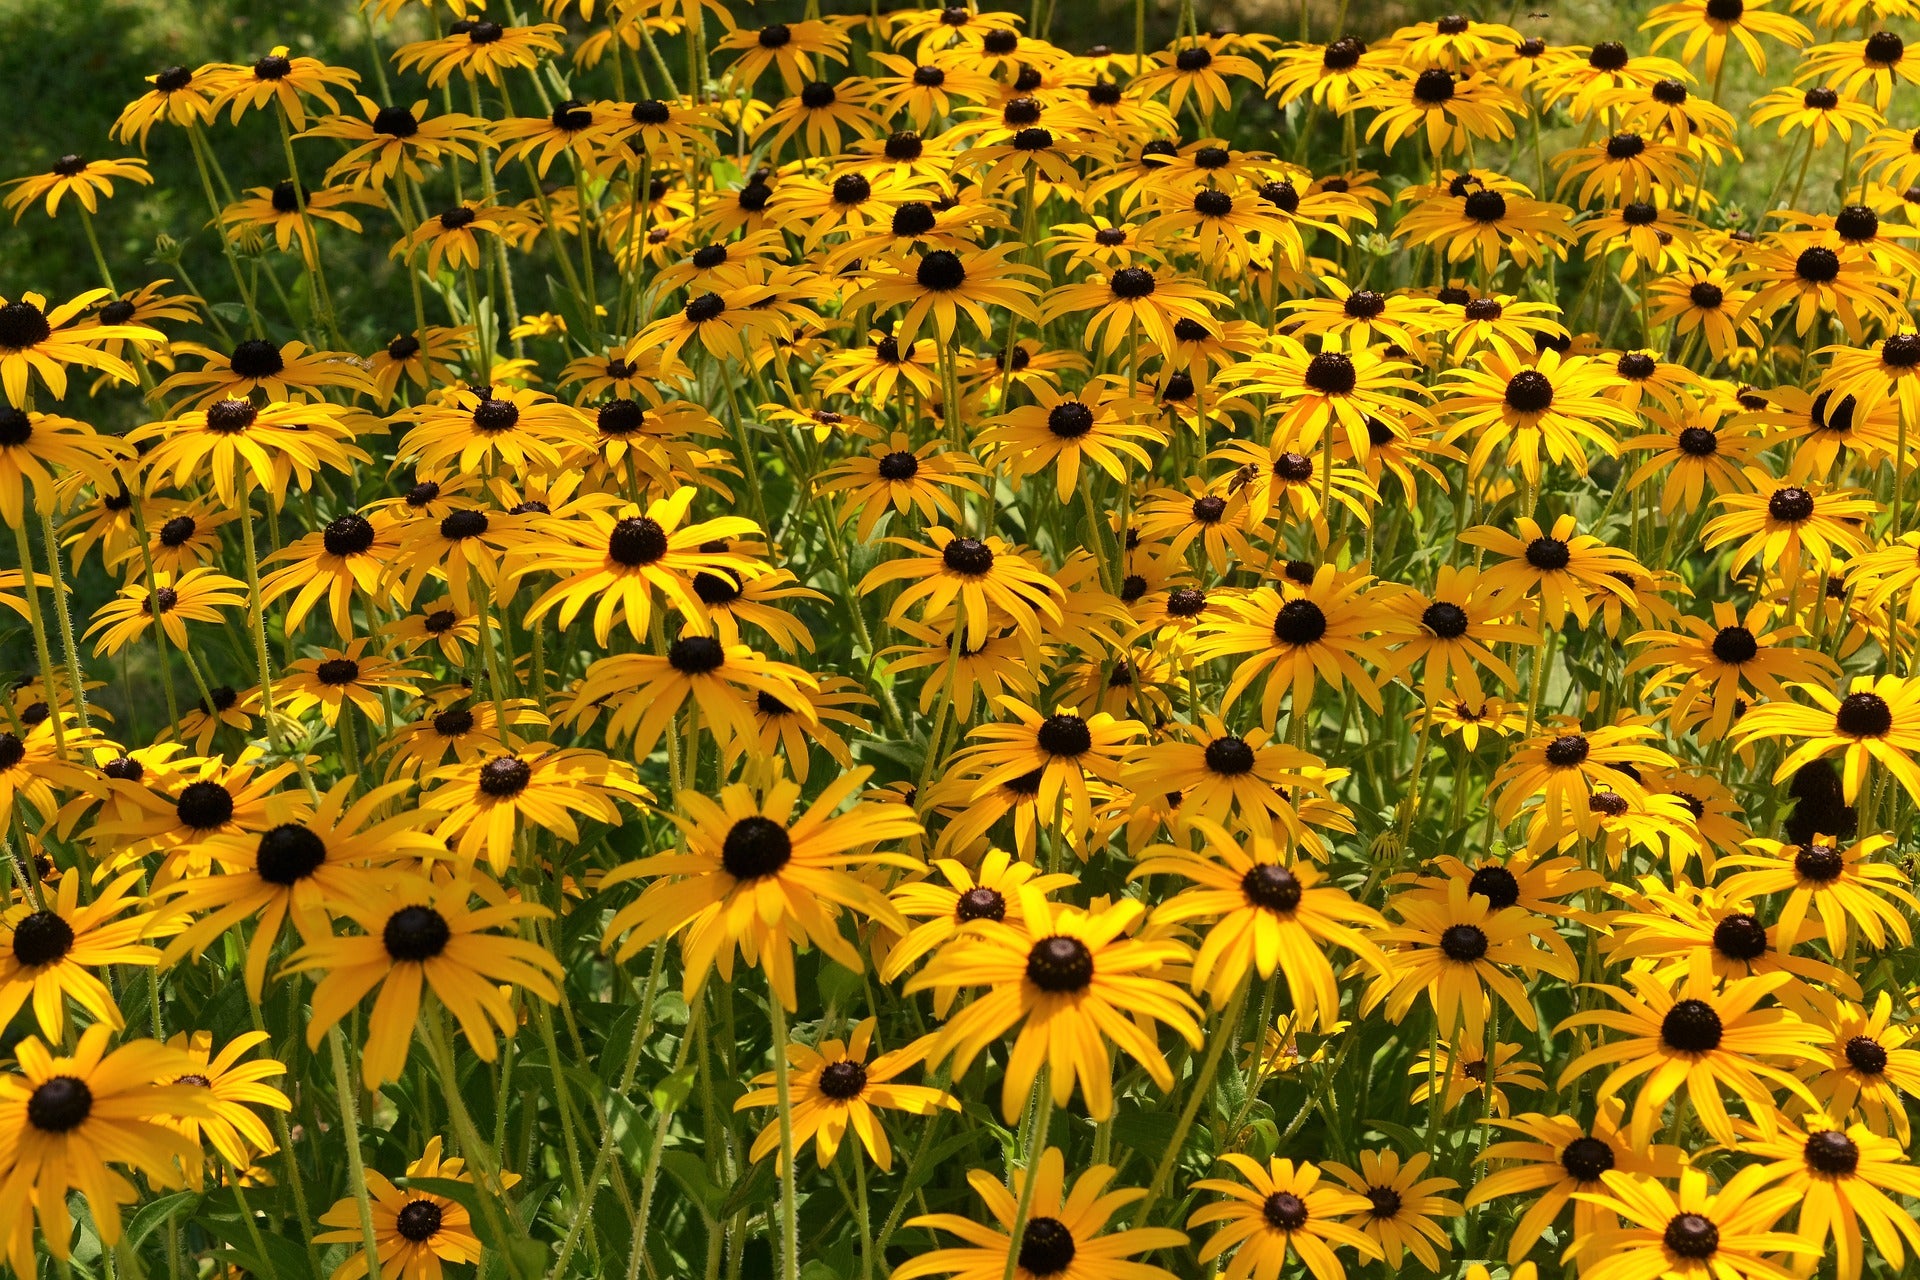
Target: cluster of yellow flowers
column 988, row 556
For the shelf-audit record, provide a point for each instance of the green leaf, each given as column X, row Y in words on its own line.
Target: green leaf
column 1402, row 1135
column 840, row 987
column 753, row 1190
column 464, row 1194
column 285, row 1258
column 157, row 1213
column 1144, row 1130
column 690, row 1171
column 672, row 1092
column 930, row 1164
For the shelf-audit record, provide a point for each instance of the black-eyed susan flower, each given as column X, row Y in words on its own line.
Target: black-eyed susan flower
column 1402, row 1205
column 1845, row 1179
column 1268, row 913
column 1459, row 952
column 1838, row 885
column 1073, row 982
column 1693, row 1232
column 1564, row 1160
column 1280, row 1210
column 1451, row 635
column 1869, row 1064
column 237, row 445
column 68, row 1116
column 338, row 678
column 452, row 237
column 1297, row 641
column 179, row 96
column 38, row 342
column 1063, row 1232
column 758, row 876
column 418, row 935
column 37, row 449
column 1564, row 568
column 1783, row 527
column 645, row 691
column 635, row 555
column 1733, row 656
column 944, row 284
column 388, row 142
column 1706, row 1038
column 49, row 953
column 279, row 79
column 1220, row 774
column 1456, row 1072
column 834, row 1088
column 1819, row 111
column 1137, row 300
column 416, row 1232
column 87, row 181
column 1852, row 66
column 1448, row 110
column 198, row 595
column 969, row 581
column 1333, row 75
column 483, row 48
column 1708, row 26
column 287, row 372
column 896, row 476
column 1098, row 425
column 1489, row 223
column 483, row 803
column 233, row 1089
column 290, row 213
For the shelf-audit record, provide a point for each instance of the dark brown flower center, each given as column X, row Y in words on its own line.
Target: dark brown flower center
column 415, row 934
column 1284, row 1211
column 41, row 938
column 1586, row 1158
column 204, row 805
column 1447, row 621
column 418, row 1221
column 843, row 1080
column 1299, row 622
column 1047, row 1247
column 1864, row 715
column 1832, row 1153
column 60, row 1105
column 288, row 854
column 1691, row 1026
column 1271, row 887
column 1463, row 943
column 505, row 776
column 968, row 557
column 755, row 847
column 1060, row 965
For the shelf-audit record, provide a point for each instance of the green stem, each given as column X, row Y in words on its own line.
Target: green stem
column 1227, row 1032
column 198, row 144
column 348, row 1089
column 1036, row 1147
column 257, row 616
column 64, row 616
column 789, row 1249
column 316, row 273
column 31, row 594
